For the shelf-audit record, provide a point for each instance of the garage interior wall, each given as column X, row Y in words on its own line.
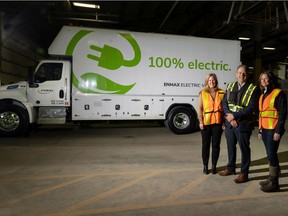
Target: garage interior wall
column 17, row 53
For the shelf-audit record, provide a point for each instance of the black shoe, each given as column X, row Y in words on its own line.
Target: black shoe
column 214, row 170
column 205, row 170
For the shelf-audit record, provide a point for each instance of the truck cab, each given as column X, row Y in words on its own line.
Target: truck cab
column 43, row 99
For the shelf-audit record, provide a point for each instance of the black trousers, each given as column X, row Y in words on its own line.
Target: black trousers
column 211, row 134
column 234, row 135
column 271, row 147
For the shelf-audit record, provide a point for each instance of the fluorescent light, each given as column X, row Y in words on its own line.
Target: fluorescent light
column 243, row 38
column 269, row 48
column 78, row 4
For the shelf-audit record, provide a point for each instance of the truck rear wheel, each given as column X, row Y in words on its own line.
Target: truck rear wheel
column 13, row 120
column 181, row 120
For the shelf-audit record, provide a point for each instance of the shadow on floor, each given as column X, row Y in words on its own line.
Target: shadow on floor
column 283, row 158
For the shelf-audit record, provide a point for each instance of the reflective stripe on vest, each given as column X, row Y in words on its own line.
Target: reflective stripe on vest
column 212, row 109
column 268, row 115
column 245, row 99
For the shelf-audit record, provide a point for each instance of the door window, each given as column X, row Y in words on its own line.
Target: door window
column 48, row 71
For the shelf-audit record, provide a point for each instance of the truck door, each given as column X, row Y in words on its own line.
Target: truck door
column 51, row 84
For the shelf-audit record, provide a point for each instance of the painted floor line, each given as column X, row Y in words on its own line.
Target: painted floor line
column 72, row 209
column 30, row 177
column 177, row 203
column 70, row 182
column 43, row 191
column 250, row 189
column 187, row 188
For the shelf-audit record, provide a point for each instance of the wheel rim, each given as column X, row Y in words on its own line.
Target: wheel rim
column 9, row 121
column 181, row 120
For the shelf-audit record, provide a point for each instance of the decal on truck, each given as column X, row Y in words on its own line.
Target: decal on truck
column 45, row 91
column 111, row 59
column 190, row 85
column 167, row 62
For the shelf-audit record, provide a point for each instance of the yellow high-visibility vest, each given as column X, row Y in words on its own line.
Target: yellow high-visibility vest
column 212, row 108
column 268, row 115
column 245, row 99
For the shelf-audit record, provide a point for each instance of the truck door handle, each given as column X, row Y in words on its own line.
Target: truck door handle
column 33, row 85
column 61, row 94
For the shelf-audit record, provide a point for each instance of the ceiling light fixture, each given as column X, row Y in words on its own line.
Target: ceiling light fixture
column 78, row 4
column 244, row 38
column 269, row 48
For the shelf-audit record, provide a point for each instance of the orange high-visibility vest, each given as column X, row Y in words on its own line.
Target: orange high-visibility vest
column 212, row 108
column 268, row 115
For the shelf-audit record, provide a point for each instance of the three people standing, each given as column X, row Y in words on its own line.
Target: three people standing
column 210, row 114
column 238, row 107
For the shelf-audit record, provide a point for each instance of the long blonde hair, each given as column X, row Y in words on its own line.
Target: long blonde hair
column 207, row 78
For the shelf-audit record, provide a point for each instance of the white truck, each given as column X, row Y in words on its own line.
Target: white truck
column 106, row 75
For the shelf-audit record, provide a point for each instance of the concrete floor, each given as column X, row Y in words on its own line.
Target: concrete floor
column 131, row 170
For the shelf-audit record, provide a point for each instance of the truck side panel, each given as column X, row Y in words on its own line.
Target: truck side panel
column 120, row 72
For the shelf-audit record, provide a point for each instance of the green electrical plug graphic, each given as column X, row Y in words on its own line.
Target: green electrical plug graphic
column 112, row 58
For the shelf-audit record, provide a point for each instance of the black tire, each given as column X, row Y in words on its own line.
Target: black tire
column 13, row 121
column 181, row 120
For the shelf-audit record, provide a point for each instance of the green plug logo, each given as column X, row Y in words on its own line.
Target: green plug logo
column 111, row 59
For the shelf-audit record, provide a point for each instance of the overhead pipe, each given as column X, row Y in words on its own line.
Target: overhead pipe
column 285, row 9
column 248, row 10
column 87, row 20
column 277, row 18
column 57, row 16
column 167, row 16
column 230, row 13
column 1, row 44
column 241, row 6
column 237, row 16
column 273, row 34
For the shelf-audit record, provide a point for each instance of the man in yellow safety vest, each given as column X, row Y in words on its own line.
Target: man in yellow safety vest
column 240, row 105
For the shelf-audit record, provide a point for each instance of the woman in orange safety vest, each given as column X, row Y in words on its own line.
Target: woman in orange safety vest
column 272, row 117
column 210, row 114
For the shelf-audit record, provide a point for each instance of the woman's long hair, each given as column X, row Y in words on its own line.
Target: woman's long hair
column 273, row 83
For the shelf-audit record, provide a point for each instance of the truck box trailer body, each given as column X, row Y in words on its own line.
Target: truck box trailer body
column 102, row 74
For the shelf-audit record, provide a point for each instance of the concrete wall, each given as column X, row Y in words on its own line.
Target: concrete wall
column 17, row 52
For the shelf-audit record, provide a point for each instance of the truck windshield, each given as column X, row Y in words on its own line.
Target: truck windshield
column 48, row 71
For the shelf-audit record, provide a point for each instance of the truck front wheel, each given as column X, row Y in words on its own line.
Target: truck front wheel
column 181, row 120
column 13, row 120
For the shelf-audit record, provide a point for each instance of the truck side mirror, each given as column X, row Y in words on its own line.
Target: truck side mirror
column 30, row 75
column 31, row 80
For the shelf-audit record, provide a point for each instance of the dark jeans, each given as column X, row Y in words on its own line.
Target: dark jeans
column 211, row 133
column 271, row 147
column 234, row 135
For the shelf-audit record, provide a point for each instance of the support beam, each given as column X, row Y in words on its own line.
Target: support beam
column 257, row 53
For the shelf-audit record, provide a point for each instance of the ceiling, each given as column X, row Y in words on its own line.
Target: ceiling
column 265, row 22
